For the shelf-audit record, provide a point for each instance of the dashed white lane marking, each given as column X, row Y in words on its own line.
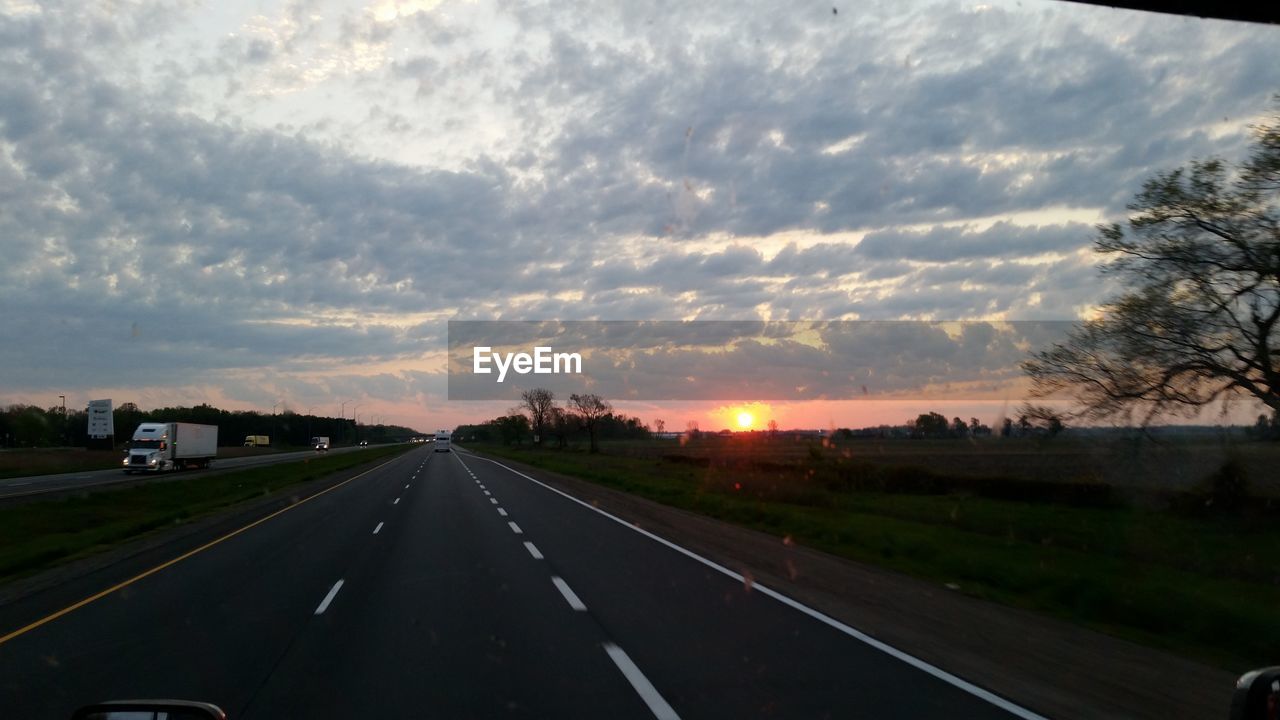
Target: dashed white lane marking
column 953, row 680
column 502, row 512
column 375, row 530
column 397, row 502
column 533, row 550
column 333, row 591
column 515, row 528
column 568, row 594
column 486, row 492
column 658, row 706
column 493, row 500
column 406, row 487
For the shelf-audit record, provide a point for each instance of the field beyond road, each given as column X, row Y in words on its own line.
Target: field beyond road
column 1152, row 561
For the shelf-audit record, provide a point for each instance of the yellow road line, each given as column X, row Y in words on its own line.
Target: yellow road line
column 99, row 595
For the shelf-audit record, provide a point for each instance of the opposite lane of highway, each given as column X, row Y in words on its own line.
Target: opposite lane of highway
column 33, row 487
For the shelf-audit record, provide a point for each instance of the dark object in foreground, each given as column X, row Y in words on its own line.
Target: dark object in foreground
column 1244, row 11
column 1257, row 695
column 140, row 709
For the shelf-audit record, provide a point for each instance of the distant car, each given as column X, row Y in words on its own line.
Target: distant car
column 364, row 443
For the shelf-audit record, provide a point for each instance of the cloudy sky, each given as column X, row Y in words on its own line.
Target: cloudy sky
column 254, row 203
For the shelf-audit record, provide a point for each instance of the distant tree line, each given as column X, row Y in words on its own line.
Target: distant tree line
column 32, row 426
column 1267, row 428
column 539, row 420
column 1032, row 421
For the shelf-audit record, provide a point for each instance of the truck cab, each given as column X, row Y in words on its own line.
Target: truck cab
column 149, row 448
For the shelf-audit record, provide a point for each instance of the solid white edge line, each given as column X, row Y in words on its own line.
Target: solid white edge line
column 569, row 595
column 515, row 528
column 915, row 662
column 533, row 550
column 324, row 604
column 375, row 530
column 657, row 705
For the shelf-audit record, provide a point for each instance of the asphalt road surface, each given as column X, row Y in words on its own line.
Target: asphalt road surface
column 36, row 485
column 444, row 585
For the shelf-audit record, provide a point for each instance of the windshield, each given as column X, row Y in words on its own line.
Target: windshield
column 902, row 358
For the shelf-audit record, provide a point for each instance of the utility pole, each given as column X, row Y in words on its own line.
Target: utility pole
column 64, row 418
column 342, row 419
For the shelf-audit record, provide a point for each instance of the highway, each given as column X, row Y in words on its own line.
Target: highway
column 33, row 486
column 445, row 585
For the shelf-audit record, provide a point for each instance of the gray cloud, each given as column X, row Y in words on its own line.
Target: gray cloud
column 275, row 197
column 1002, row 240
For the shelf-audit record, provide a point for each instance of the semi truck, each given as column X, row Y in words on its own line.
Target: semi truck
column 257, row 440
column 162, row 446
column 321, row 443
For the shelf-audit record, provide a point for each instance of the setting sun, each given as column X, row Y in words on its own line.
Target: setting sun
column 745, row 420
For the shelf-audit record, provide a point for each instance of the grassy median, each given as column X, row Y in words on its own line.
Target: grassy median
column 38, row 535
column 1205, row 586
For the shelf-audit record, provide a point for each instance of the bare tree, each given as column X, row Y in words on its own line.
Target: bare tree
column 538, row 402
column 590, row 408
column 562, row 425
column 660, row 425
column 1198, row 322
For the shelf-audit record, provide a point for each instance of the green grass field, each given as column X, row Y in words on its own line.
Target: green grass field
column 38, row 535
column 1205, row 586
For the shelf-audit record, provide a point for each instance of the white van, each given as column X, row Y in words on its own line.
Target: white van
column 442, row 441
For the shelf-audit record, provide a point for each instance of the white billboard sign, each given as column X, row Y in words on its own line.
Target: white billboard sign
column 100, row 419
